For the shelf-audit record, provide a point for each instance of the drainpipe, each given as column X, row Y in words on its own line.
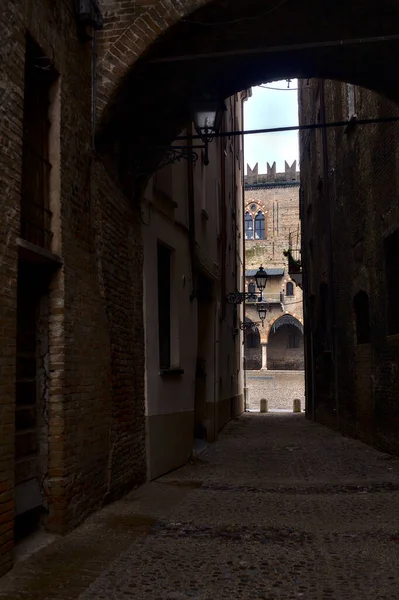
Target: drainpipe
column 243, row 258
column 93, row 88
column 309, row 353
column 191, row 215
column 328, row 208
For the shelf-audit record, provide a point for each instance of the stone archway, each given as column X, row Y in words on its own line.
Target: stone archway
column 253, row 347
column 156, row 57
column 285, row 344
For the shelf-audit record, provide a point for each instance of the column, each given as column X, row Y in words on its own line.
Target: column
column 264, row 357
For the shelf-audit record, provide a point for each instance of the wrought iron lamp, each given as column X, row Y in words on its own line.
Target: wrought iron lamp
column 248, row 325
column 261, row 307
column 261, row 279
column 239, row 297
column 89, row 13
column 207, row 115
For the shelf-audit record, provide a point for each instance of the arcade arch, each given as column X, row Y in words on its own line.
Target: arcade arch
column 285, row 344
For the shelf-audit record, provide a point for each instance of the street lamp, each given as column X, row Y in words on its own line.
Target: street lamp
column 261, row 279
column 207, row 114
column 261, row 307
column 239, row 297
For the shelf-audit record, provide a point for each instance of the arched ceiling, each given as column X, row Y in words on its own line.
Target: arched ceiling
column 148, row 82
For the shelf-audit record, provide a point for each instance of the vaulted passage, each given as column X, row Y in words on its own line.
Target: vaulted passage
column 170, row 55
column 121, row 350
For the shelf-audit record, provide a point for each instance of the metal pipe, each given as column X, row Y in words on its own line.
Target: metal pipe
column 93, row 88
column 191, row 219
column 243, row 358
column 353, row 123
column 273, row 49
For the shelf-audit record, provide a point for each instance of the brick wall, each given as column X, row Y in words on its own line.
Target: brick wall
column 280, row 204
column 353, row 194
column 96, row 443
column 276, row 195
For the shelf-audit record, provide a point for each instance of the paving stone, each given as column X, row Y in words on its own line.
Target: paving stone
column 279, row 508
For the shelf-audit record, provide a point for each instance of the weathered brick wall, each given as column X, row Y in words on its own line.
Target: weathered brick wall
column 281, row 208
column 362, row 177
column 278, row 200
column 96, row 445
column 11, row 78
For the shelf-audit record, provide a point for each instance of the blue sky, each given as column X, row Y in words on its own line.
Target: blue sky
column 270, row 108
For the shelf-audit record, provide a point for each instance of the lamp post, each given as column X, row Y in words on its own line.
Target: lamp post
column 239, row 297
column 261, row 279
column 207, row 114
column 261, row 307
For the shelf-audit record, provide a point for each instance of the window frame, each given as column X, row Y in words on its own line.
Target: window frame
column 260, row 218
column 246, row 229
column 292, row 287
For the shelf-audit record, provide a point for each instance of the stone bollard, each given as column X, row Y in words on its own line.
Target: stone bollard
column 263, row 405
column 297, row 405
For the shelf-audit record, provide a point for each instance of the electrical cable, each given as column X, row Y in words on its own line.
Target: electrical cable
column 266, row 87
column 240, row 20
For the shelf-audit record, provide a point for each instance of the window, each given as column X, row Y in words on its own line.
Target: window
column 293, row 340
column 251, row 288
column 36, row 167
column 249, row 227
column 164, row 305
column 391, row 254
column 260, row 226
column 289, row 289
column 361, row 306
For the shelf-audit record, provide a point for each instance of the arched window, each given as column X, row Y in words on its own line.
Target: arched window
column 259, row 226
column 289, row 289
column 251, row 288
column 362, row 313
column 249, row 227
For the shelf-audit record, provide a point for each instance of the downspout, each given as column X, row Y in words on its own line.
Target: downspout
column 93, row 88
column 328, row 213
column 191, row 216
column 243, row 260
column 309, row 355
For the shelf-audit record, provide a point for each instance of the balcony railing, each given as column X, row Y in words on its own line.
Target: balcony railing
column 269, row 298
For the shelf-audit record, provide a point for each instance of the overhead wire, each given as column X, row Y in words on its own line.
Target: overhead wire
column 267, row 87
column 239, row 20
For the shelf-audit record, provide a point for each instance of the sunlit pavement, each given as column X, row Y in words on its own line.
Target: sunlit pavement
column 279, row 508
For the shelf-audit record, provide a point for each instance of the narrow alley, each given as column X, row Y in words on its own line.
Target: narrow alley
column 280, row 507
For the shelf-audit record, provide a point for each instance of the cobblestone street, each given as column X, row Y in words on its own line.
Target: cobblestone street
column 279, row 508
